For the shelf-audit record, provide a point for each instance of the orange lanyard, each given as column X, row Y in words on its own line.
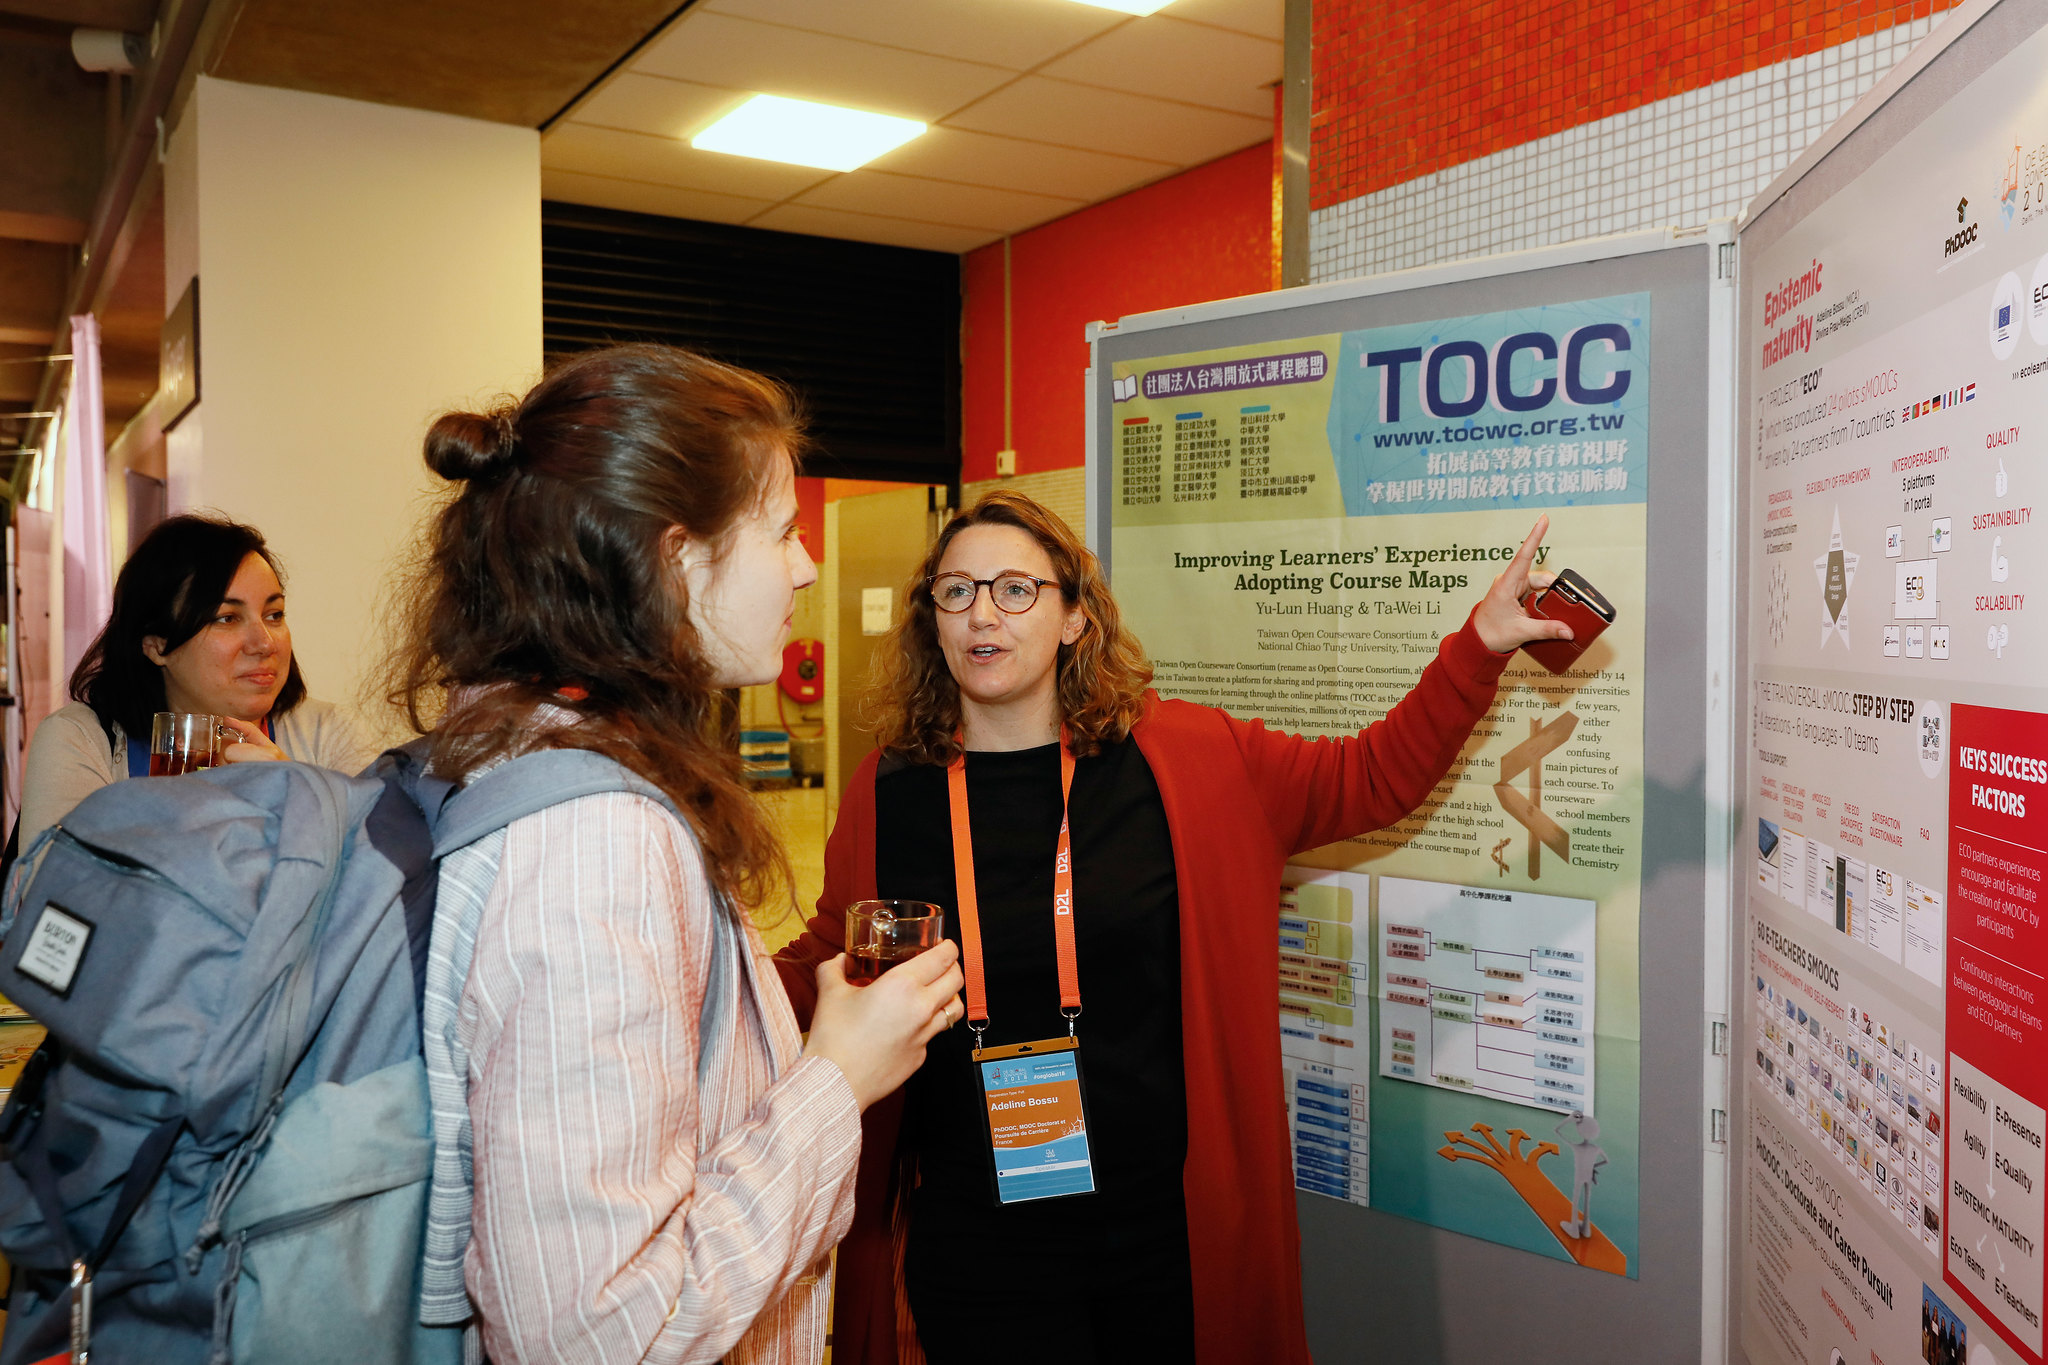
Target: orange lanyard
column 970, row 905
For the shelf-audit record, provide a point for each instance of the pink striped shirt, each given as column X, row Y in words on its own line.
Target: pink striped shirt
column 622, row 1213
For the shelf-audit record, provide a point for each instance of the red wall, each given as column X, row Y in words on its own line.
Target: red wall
column 810, row 516
column 1204, row 234
column 1406, row 87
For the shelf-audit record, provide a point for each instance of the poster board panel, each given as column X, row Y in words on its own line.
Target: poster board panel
column 1296, row 498
column 1893, row 361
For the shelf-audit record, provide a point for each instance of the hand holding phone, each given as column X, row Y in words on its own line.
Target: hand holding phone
column 1577, row 603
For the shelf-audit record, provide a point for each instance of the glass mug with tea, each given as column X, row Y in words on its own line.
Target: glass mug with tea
column 881, row 934
column 185, row 742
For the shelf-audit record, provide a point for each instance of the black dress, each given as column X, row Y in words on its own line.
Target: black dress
column 1094, row 1277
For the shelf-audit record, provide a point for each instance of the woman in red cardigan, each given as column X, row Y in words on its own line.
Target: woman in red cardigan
column 1126, row 858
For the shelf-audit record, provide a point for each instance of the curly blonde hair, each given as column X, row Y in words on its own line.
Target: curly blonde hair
column 914, row 707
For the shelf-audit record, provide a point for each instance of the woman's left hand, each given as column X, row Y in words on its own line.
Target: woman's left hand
column 253, row 747
column 1502, row 624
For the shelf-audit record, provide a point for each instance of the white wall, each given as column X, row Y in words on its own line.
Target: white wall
column 362, row 268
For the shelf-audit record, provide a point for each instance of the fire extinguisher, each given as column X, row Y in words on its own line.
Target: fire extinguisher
column 802, row 680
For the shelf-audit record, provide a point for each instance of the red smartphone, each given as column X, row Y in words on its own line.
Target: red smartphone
column 1577, row 603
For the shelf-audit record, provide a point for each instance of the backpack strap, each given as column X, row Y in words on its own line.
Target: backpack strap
column 399, row 827
column 41, row 1177
column 530, row 783
column 546, row 778
column 12, row 854
column 39, row 1173
column 537, row 781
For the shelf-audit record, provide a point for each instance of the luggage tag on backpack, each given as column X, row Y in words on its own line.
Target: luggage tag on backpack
column 55, row 947
column 1037, row 1119
column 81, row 1321
column 81, row 1313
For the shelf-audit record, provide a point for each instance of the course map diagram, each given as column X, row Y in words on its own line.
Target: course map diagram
column 1487, row 991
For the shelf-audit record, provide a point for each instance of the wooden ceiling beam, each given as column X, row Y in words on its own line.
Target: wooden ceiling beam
column 133, row 176
column 32, row 280
column 41, row 227
column 130, row 16
column 504, row 61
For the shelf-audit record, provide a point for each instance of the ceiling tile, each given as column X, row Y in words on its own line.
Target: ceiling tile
column 670, row 161
column 1018, row 34
column 862, row 227
column 1121, row 103
column 1176, row 61
column 1266, row 18
column 1110, row 121
column 606, row 192
column 937, row 201
column 1018, row 164
column 657, row 105
column 716, row 49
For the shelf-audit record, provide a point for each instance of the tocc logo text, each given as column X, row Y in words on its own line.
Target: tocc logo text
column 1590, row 372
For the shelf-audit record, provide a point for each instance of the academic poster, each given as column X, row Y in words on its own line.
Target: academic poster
column 1296, row 527
column 1896, row 822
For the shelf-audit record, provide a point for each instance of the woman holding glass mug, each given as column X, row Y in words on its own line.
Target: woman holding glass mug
column 1015, row 706
column 198, row 626
column 637, row 1185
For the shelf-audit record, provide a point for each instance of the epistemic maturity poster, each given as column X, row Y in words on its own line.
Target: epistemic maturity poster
column 1296, row 526
column 1898, row 774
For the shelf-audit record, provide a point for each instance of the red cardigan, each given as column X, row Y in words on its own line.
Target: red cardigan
column 1240, row 800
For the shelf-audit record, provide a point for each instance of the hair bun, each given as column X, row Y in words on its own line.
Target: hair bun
column 471, row 445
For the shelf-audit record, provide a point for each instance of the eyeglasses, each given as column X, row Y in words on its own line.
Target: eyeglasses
column 1011, row 592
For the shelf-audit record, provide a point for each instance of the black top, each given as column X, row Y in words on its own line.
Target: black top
column 1127, row 942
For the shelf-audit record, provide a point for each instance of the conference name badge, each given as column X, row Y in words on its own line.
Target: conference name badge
column 1037, row 1119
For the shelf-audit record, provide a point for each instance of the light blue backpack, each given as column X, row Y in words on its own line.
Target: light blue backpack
column 222, row 1152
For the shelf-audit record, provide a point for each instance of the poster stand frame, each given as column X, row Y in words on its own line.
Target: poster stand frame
column 1927, row 82
column 1715, row 579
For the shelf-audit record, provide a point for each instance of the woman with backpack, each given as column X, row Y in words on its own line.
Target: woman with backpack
column 198, row 624
column 1111, row 864
column 648, row 1184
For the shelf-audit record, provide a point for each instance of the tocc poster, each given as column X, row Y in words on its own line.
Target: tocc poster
column 1296, row 525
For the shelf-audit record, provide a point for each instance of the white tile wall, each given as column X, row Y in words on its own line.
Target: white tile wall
column 1680, row 161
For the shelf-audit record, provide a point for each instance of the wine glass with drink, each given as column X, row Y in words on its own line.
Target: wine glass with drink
column 880, row 934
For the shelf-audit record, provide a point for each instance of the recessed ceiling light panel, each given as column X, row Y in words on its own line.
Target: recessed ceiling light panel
column 802, row 133
column 1129, row 6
